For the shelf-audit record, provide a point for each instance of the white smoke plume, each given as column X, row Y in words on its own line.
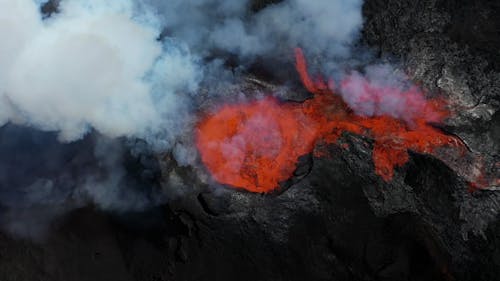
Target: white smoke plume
column 128, row 69
column 96, row 64
column 321, row 26
column 383, row 90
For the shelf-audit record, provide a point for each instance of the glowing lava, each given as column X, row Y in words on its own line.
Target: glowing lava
column 256, row 145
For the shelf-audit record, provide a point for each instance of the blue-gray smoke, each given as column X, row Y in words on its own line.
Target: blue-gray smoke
column 100, row 72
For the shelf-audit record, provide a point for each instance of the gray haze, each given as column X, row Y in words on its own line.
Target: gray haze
column 96, row 64
column 99, row 72
column 325, row 27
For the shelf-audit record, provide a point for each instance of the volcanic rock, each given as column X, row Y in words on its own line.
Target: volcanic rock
column 335, row 219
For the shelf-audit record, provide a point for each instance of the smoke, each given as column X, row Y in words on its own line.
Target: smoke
column 99, row 64
column 324, row 26
column 102, row 74
column 93, row 74
column 95, row 65
column 382, row 90
column 42, row 179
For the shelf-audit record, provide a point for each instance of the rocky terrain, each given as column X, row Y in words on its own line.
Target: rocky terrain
column 336, row 219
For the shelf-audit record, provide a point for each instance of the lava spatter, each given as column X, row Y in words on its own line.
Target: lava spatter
column 256, row 145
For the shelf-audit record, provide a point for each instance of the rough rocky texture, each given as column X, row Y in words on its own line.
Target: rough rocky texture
column 451, row 47
column 322, row 228
column 336, row 220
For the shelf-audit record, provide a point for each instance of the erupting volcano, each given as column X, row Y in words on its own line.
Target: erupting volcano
column 256, row 145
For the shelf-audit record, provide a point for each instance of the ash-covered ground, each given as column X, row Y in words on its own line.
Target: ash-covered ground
column 335, row 219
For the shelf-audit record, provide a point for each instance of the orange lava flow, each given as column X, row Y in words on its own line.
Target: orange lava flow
column 256, row 145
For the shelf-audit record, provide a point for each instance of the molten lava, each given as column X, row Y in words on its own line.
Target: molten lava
column 256, row 145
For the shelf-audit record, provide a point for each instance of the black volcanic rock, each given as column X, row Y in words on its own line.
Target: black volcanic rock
column 336, row 219
column 450, row 47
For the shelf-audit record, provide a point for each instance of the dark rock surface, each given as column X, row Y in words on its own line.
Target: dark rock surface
column 339, row 221
column 451, row 47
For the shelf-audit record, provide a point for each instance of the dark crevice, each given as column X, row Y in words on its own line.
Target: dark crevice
column 204, row 205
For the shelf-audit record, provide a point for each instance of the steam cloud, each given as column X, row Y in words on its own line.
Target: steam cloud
column 132, row 69
column 93, row 66
column 96, row 64
column 324, row 26
column 384, row 91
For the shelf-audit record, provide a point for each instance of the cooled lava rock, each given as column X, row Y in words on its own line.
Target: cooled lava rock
column 335, row 219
